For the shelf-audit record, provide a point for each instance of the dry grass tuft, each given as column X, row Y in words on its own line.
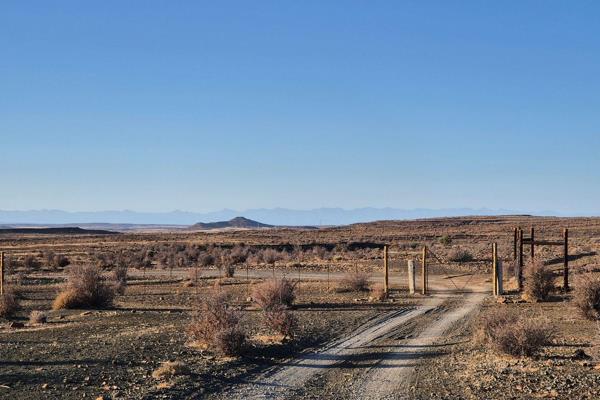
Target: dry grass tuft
column 86, row 288
column 274, row 293
column 354, row 282
column 539, row 282
column 461, row 256
column 37, row 317
column 587, row 297
column 378, row 293
column 511, row 334
column 170, row 369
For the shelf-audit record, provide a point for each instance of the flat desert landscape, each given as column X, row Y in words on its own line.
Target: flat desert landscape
column 299, row 313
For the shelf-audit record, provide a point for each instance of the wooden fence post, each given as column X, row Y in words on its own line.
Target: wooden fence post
column 494, row 269
column 515, row 240
column 1, row 272
column 566, row 259
column 532, row 244
column 520, row 272
column 424, row 272
column 385, row 269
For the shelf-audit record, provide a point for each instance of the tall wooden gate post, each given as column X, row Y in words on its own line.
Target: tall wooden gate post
column 515, row 240
column 424, row 272
column 532, row 244
column 495, row 269
column 1, row 272
column 566, row 259
column 385, row 269
column 520, row 272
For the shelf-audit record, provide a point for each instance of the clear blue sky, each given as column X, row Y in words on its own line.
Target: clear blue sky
column 158, row 105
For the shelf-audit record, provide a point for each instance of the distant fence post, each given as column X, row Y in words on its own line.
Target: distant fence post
column 515, row 240
column 566, row 259
column 532, row 244
column 411, row 277
column 424, row 272
column 499, row 275
column 385, row 269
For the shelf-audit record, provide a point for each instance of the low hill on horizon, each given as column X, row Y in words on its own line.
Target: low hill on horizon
column 237, row 222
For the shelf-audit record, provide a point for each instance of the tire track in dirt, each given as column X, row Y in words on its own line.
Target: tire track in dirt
column 286, row 379
column 394, row 374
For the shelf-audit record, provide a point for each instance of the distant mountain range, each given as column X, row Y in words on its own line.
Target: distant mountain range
column 273, row 216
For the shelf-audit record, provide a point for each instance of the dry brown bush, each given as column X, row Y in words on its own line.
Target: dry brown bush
column 354, row 282
column 273, row 293
column 587, row 297
column 37, row 317
column 215, row 326
column 9, row 304
column 378, row 293
column 281, row 320
column 85, row 288
column 120, row 279
column 539, row 282
column 460, row 255
column 170, row 369
column 511, row 334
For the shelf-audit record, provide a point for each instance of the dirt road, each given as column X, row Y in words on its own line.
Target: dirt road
column 378, row 361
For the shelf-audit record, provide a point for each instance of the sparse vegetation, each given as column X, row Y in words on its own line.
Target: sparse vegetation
column 216, row 327
column 9, row 304
column 274, row 293
column 446, row 240
column 281, row 320
column 85, row 288
column 511, row 334
column 461, row 256
column 37, row 317
column 354, row 282
column 539, row 282
column 587, row 297
column 170, row 369
column 378, row 293
column 120, row 279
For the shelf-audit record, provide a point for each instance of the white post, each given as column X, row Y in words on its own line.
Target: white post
column 411, row 276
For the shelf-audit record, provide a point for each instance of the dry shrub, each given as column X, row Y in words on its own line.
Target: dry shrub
column 274, row 293
column 460, row 255
column 9, row 304
column 85, row 288
column 229, row 270
column 215, row 326
column 170, row 369
column 354, row 282
column 37, row 317
column 539, row 282
column 378, row 293
column 120, row 279
column 511, row 334
column 587, row 298
column 281, row 320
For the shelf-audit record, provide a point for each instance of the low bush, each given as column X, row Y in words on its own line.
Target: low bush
column 460, row 255
column 216, row 327
column 37, row 317
column 511, row 334
column 539, row 282
column 9, row 304
column 587, row 298
column 274, row 293
column 85, row 288
column 354, row 282
column 120, row 279
column 378, row 293
column 282, row 321
column 170, row 369
column 229, row 270
column 446, row 240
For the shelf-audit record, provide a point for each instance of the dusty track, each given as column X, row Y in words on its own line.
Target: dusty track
column 391, row 372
